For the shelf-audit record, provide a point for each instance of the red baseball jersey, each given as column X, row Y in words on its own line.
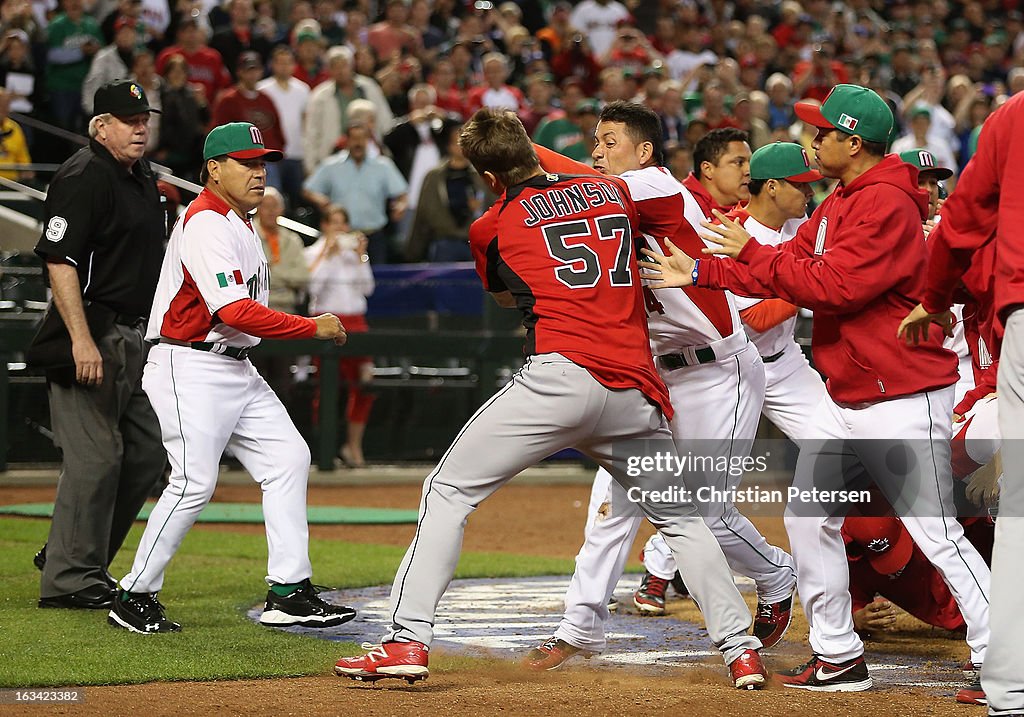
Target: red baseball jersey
column 565, row 247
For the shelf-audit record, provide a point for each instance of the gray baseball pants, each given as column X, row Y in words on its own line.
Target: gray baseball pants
column 1001, row 676
column 552, row 404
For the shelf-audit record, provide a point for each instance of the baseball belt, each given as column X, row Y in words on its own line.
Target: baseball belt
column 239, row 353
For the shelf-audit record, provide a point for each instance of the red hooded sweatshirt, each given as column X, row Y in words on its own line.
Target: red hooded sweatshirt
column 987, row 206
column 859, row 264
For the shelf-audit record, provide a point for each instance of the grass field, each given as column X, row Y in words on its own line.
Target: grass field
column 212, row 581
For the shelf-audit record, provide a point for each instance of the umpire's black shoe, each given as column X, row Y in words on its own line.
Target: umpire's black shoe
column 94, row 597
column 39, row 560
column 303, row 607
column 141, row 613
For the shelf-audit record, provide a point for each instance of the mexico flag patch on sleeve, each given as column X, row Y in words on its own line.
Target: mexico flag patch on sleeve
column 233, row 277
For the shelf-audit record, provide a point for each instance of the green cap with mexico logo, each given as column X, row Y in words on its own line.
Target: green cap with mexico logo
column 783, row 160
column 238, row 140
column 925, row 162
column 852, row 109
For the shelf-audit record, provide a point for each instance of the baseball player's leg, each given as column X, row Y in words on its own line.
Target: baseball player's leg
column 658, row 560
column 144, row 456
column 823, row 577
column 923, row 496
column 718, row 407
column 198, row 397
column 611, row 528
column 1000, row 676
column 549, row 405
column 270, row 448
column 792, row 392
column 700, row 558
column 86, row 428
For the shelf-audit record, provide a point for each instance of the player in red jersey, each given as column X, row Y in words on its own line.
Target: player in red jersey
column 561, row 249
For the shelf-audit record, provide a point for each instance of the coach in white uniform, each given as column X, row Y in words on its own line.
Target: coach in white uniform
column 210, row 310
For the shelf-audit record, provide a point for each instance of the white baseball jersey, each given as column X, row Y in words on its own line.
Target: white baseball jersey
column 678, row 318
column 213, row 259
column 777, row 338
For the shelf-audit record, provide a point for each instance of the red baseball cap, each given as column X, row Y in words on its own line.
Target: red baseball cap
column 885, row 541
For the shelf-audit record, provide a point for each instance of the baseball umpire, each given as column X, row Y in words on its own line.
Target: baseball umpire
column 103, row 241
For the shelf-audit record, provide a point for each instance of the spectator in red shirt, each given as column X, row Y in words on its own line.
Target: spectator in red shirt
column 393, row 34
column 245, row 103
column 816, row 77
column 205, row 65
column 713, row 110
column 577, row 60
column 449, row 97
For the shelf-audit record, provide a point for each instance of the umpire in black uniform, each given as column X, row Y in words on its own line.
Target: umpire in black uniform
column 103, row 243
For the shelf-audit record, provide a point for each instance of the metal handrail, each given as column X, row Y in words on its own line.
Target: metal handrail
column 165, row 173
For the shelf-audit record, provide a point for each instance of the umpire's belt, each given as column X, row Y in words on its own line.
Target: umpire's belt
column 236, row 352
column 708, row 353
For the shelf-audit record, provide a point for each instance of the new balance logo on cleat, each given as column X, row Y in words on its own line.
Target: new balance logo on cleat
column 303, row 607
column 402, row 660
column 822, row 676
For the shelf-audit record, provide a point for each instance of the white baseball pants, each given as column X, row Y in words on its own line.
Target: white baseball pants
column 206, row 402
column 552, row 404
column 858, row 443
column 792, row 391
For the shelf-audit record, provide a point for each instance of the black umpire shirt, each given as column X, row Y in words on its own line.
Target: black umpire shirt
column 109, row 223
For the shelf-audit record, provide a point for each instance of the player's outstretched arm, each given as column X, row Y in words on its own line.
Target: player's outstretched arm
column 667, row 271
column 914, row 327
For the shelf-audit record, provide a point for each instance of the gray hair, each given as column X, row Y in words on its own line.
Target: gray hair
column 778, row 78
column 95, row 122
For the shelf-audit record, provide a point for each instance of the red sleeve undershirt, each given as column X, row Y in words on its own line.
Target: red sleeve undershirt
column 767, row 314
column 256, row 319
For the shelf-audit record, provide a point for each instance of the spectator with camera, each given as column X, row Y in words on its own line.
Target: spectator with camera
column 340, row 279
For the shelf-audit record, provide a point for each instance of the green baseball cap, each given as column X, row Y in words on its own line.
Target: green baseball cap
column 238, row 140
column 925, row 162
column 783, row 160
column 852, row 109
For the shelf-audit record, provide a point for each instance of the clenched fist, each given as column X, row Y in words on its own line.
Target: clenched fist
column 329, row 326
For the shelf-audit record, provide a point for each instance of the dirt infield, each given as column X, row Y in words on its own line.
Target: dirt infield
column 535, row 520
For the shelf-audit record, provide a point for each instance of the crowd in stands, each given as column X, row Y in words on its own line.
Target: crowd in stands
column 364, row 95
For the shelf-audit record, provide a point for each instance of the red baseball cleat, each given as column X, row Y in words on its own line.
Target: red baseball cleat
column 973, row 694
column 552, row 654
column 748, row 672
column 821, row 676
column 649, row 599
column 771, row 620
column 403, row 660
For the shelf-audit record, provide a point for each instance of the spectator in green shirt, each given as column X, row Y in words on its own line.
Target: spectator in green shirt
column 72, row 39
column 572, row 133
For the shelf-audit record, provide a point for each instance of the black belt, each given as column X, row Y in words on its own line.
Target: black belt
column 239, row 353
column 129, row 319
column 705, row 354
column 774, row 357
